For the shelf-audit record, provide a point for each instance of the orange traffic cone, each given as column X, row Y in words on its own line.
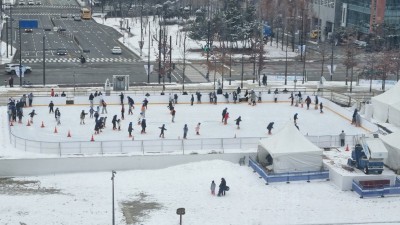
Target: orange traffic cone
column 347, row 148
column 42, row 125
column 92, row 139
column 69, row 134
column 55, row 130
column 28, row 124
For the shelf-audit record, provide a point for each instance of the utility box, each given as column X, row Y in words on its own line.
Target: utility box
column 120, row 82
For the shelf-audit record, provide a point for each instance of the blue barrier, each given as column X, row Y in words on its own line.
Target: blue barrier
column 287, row 177
column 379, row 191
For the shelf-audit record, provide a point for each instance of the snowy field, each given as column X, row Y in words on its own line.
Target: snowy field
column 152, row 197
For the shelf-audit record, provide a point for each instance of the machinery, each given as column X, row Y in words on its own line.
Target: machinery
column 368, row 155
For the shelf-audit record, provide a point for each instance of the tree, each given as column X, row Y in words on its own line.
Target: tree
column 350, row 62
column 369, row 70
column 384, row 66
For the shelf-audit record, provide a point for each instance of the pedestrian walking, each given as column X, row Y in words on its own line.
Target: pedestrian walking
column 82, row 117
column 130, row 129
column 51, row 107
column 342, row 137
column 238, row 120
column 197, row 129
column 213, row 185
column 162, row 130
column 270, row 127
column 264, row 80
column 185, row 131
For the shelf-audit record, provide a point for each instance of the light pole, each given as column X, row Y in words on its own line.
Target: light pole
column 113, row 212
column 148, row 58
column 20, row 57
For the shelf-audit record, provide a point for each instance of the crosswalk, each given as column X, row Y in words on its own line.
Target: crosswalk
column 44, row 14
column 76, row 60
column 48, row 6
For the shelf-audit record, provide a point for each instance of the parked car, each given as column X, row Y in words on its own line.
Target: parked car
column 10, row 68
column 62, row 51
column 30, row 2
column 38, row 2
column 116, row 50
column 77, row 18
column 64, row 16
column 28, row 30
column 21, row 2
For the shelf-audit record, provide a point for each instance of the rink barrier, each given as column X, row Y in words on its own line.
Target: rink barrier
column 287, row 177
column 376, row 191
column 164, row 146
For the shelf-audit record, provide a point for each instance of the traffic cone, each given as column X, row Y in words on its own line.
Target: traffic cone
column 55, row 130
column 69, row 134
column 347, row 148
column 92, row 139
column 28, row 124
column 42, row 125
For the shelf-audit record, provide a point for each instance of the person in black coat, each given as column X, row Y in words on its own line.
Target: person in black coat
column 143, row 124
column 91, row 97
column 191, row 100
column 269, row 127
column 321, row 107
column 130, row 129
column 295, row 117
column 51, row 106
column 162, row 130
column 353, row 120
column 32, row 114
column 222, row 187
column 114, row 122
column 224, row 113
column 238, row 120
column 96, row 116
column 121, row 97
column 145, row 102
column 291, row 99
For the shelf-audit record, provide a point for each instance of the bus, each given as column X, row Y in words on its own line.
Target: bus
column 86, row 14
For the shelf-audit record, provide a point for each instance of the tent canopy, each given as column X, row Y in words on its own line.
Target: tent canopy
column 382, row 102
column 290, row 151
column 392, row 143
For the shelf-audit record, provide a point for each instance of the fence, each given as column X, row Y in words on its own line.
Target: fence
column 376, row 191
column 164, row 146
column 287, row 177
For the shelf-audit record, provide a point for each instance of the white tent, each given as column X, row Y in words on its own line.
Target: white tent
column 394, row 114
column 392, row 143
column 382, row 103
column 290, row 151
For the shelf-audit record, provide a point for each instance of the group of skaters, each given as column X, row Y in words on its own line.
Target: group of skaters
column 15, row 108
column 297, row 100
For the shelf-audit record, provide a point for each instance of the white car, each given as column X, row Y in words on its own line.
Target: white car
column 116, row 50
column 31, row 3
column 21, row 3
column 10, row 68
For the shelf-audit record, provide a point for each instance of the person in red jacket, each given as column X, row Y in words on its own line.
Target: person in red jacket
column 226, row 117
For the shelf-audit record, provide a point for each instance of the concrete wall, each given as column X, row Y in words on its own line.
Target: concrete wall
column 43, row 166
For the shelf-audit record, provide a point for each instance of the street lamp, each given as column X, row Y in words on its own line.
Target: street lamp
column 113, row 212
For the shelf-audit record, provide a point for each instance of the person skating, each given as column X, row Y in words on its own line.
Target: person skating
column 122, row 111
column 32, row 114
column 130, row 129
column 222, row 187
column 198, row 94
column 96, row 116
column 224, row 113
column 291, row 99
column 51, row 107
column 234, row 96
column 226, row 95
column 30, row 99
column 185, row 131
column 91, row 97
column 114, row 122
column 83, row 114
column 295, row 117
column 238, row 120
column 270, row 127
column 213, row 185
column 197, row 129
column 20, row 115
column 143, row 110
column 131, row 104
column 119, row 124
column 321, row 107
column 173, row 112
column 226, row 118
column 58, row 117
column 162, row 130
column 91, row 112
column 55, row 113
column 143, row 125
column 353, row 120
column 215, row 98
column 145, row 102
column 121, row 98
column 191, row 100
column 316, row 102
column 176, row 98
column 104, row 109
column 308, row 102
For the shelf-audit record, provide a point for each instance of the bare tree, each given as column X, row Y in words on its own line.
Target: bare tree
column 384, row 67
column 369, row 70
column 350, row 62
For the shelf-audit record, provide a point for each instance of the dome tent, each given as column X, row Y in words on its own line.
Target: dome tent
column 290, row 151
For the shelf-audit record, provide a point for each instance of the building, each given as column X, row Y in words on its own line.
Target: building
column 326, row 15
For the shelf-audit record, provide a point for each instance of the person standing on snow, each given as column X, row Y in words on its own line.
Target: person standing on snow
column 197, row 129
column 342, row 137
column 51, row 106
column 222, row 187
column 185, row 131
column 224, row 113
column 238, row 120
column 269, row 127
column 162, row 130
column 83, row 114
column 130, row 129
column 213, row 187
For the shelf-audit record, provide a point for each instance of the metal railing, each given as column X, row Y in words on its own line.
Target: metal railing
column 163, row 146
